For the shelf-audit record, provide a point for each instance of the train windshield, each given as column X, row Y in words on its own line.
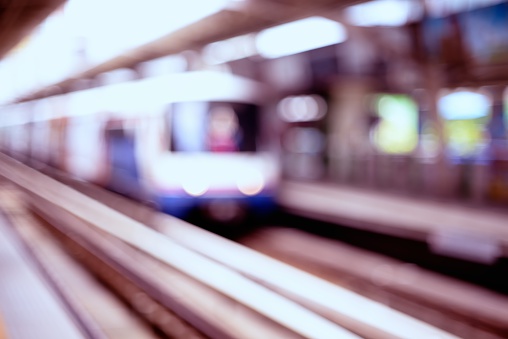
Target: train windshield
column 213, row 127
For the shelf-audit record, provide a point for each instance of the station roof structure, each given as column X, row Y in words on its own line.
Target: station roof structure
column 18, row 18
column 240, row 17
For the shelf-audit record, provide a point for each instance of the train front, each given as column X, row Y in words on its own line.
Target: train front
column 216, row 162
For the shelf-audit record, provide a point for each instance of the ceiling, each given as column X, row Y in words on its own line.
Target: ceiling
column 19, row 17
column 240, row 17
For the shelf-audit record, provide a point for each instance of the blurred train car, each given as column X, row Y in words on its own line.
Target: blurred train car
column 183, row 142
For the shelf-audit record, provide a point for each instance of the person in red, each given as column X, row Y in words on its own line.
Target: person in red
column 223, row 130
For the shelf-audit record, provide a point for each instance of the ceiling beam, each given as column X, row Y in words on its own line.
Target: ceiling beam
column 245, row 17
column 19, row 18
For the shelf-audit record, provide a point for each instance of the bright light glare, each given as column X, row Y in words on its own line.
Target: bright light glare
column 200, row 86
column 299, row 36
column 381, row 13
column 230, row 49
column 302, row 108
column 464, row 105
column 113, row 26
column 250, row 182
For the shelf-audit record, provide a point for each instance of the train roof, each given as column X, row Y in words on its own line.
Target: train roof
column 139, row 97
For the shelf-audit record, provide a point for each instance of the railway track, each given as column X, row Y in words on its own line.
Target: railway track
column 458, row 307
column 220, row 288
column 96, row 310
column 455, row 306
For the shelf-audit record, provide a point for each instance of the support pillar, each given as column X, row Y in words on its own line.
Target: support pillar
column 349, row 144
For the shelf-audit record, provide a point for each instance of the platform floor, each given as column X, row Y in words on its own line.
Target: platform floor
column 29, row 308
column 481, row 232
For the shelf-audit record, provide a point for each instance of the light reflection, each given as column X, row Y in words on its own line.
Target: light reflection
column 135, row 22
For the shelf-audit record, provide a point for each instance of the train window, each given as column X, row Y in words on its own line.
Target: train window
column 188, row 127
column 397, row 130
column 213, row 127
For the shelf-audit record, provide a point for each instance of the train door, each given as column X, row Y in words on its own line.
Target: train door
column 83, row 142
column 58, row 113
column 121, row 159
column 58, row 154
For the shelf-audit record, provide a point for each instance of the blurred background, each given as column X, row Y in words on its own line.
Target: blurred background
column 363, row 142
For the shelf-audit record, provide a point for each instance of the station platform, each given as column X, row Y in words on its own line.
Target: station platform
column 29, row 308
column 473, row 233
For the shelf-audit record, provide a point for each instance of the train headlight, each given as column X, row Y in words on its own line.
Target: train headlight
column 250, row 182
column 195, row 187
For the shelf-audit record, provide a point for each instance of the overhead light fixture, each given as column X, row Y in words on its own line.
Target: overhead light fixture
column 464, row 105
column 299, row 36
column 230, row 49
column 382, row 13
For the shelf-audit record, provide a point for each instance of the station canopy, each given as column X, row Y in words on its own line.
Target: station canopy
column 123, row 33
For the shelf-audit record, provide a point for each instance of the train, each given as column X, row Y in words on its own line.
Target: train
column 182, row 142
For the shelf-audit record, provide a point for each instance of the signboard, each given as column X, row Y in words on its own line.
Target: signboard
column 485, row 34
